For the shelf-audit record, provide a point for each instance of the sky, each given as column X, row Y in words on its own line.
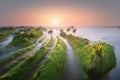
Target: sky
column 60, row 12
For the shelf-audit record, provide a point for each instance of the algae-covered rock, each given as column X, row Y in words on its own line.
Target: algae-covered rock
column 98, row 59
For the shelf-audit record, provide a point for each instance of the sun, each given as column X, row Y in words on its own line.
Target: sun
column 55, row 22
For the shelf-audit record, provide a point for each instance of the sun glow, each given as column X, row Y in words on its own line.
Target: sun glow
column 55, row 22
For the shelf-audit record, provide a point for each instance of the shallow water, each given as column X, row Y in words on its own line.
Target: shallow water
column 72, row 69
column 7, row 41
column 109, row 35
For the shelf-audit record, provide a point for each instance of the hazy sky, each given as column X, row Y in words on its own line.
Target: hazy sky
column 62, row 12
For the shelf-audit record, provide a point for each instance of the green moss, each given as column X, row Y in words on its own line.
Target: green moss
column 42, row 39
column 3, row 36
column 96, row 59
column 54, row 65
column 50, row 42
column 4, row 33
column 100, row 59
column 10, row 61
column 26, row 38
column 23, row 68
column 17, row 53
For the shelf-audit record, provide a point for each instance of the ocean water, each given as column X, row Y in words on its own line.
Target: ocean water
column 105, row 34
